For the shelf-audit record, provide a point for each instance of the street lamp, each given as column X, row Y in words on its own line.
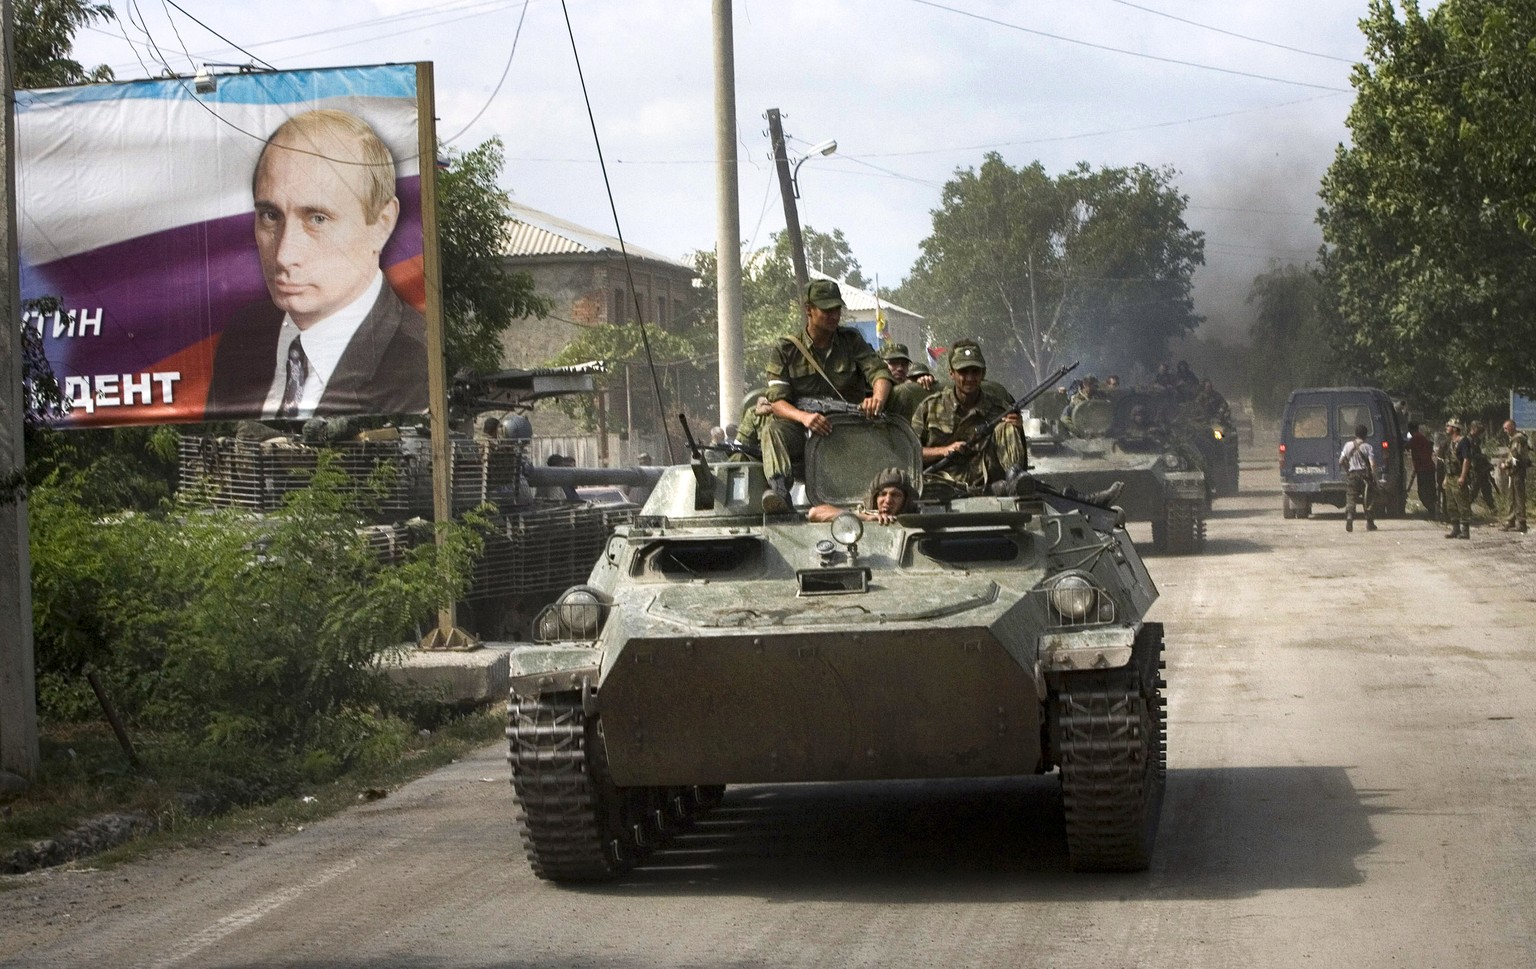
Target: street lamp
column 825, row 148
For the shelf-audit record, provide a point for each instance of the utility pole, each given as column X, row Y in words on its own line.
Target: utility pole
column 18, row 678
column 727, row 221
column 791, row 212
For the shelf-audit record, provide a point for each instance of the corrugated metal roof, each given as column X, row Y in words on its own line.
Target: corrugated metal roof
column 862, row 300
column 535, row 233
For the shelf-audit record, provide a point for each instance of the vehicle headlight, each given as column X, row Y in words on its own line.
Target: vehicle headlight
column 581, row 613
column 1216, row 433
column 1073, row 596
column 847, row 528
column 1172, row 461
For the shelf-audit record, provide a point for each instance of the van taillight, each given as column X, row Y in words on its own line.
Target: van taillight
column 1282, row 458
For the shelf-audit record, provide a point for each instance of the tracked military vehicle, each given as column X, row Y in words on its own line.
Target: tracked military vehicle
column 714, row 645
column 1097, row 442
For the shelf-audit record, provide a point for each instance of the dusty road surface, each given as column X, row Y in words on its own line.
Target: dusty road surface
column 1352, row 783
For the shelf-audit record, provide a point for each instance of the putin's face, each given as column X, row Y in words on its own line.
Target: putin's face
column 318, row 249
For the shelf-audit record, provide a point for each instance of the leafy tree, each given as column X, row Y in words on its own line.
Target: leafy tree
column 481, row 297
column 1429, row 217
column 45, row 33
column 1289, row 337
column 1094, row 263
column 241, row 634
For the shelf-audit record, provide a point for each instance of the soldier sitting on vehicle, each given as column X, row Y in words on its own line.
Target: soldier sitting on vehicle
column 946, row 421
column 824, row 360
column 890, row 493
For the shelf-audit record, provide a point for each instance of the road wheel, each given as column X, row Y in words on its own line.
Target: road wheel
column 1185, row 526
column 1111, row 744
column 572, row 818
column 1287, row 510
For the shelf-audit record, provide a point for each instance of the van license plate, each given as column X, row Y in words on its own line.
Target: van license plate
column 1309, row 469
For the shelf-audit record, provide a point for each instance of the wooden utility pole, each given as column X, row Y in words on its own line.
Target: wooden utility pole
column 18, row 679
column 791, row 211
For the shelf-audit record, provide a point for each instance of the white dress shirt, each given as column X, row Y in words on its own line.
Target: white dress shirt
column 324, row 343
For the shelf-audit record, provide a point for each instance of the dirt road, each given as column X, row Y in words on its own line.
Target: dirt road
column 1352, row 783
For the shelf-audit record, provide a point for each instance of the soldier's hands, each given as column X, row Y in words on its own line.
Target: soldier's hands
column 1012, row 417
column 816, row 423
column 957, row 447
column 871, row 406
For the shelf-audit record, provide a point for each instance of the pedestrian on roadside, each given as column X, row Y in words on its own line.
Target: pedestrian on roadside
column 1358, row 461
column 1480, row 485
column 1515, row 464
column 1458, row 499
column 1422, row 450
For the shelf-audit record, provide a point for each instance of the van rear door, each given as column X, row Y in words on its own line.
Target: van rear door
column 1311, row 440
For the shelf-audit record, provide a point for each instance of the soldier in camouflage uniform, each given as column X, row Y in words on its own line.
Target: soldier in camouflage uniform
column 1516, row 464
column 945, row 422
column 755, row 410
column 910, row 389
column 1458, row 471
column 823, row 360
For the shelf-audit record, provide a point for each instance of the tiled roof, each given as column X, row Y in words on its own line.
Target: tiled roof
column 535, row 233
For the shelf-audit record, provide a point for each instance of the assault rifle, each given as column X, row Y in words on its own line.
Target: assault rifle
column 979, row 437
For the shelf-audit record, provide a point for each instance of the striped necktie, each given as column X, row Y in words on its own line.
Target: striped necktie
column 293, row 387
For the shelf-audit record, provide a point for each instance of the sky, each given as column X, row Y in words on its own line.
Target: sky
column 1245, row 100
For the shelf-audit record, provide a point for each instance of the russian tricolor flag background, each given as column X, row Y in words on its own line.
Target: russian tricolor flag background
column 134, row 209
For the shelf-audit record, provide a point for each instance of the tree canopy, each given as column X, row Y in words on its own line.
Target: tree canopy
column 481, row 296
column 1429, row 217
column 1096, row 263
column 1289, row 336
column 45, row 33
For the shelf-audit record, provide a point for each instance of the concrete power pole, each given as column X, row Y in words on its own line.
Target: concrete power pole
column 18, row 689
column 727, row 220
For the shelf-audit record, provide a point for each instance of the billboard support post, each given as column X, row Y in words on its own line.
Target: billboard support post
column 447, row 635
column 18, row 689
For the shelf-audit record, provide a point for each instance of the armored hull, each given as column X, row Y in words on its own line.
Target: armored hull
column 713, row 645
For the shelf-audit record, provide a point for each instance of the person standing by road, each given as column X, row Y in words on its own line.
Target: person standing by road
column 1359, row 463
column 1480, row 484
column 1515, row 464
column 1422, row 450
column 1458, row 499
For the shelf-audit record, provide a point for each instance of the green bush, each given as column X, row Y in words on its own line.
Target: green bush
column 257, row 635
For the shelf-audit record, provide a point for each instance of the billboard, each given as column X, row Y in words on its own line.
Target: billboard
column 253, row 250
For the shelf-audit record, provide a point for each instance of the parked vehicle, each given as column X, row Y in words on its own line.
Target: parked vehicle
column 1317, row 423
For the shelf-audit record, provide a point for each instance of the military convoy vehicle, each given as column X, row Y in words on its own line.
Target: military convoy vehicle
column 713, row 645
column 1097, row 442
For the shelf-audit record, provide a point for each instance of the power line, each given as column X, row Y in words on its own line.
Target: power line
column 1229, row 33
column 1121, row 50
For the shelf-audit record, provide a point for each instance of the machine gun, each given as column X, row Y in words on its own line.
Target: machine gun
column 979, row 437
column 703, row 478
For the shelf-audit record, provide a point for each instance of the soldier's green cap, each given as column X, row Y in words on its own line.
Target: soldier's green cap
column 824, row 294
column 896, row 351
column 919, row 369
column 750, row 400
column 1453, row 422
column 966, row 357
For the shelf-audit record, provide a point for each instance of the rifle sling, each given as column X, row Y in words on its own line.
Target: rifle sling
column 810, row 358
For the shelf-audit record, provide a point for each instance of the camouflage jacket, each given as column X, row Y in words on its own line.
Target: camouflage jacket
column 1519, row 453
column 905, row 398
column 852, row 365
column 941, row 420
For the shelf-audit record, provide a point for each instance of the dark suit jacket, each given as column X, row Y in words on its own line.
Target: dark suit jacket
column 382, row 371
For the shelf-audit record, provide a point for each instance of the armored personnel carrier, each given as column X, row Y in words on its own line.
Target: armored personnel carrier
column 1097, row 442
column 714, row 645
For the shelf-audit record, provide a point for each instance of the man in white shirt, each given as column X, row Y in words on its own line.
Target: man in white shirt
column 335, row 339
column 1359, row 464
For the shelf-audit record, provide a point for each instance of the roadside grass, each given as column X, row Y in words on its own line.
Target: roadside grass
column 84, row 774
